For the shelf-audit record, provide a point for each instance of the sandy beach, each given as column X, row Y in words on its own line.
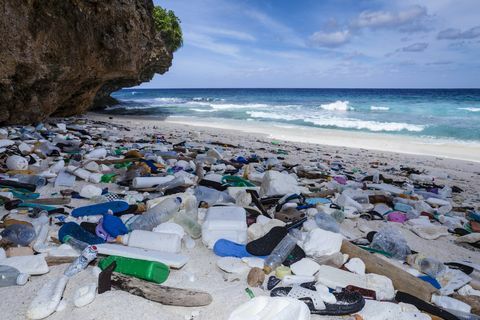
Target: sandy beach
column 201, row 271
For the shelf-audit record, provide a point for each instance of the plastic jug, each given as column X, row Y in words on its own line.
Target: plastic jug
column 147, row 270
column 151, row 240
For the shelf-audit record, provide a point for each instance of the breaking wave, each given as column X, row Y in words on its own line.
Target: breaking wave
column 337, row 106
column 470, row 109
column 343, row 123
column 375, row 108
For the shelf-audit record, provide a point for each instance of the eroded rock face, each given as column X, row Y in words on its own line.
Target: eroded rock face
column 63, row 57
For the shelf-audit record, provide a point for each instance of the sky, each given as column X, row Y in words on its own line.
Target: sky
column 325, row 44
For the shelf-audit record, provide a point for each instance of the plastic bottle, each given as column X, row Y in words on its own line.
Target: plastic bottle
column 429, row 266
column 166, row 242
column 451, row 303
column 279, row 253
column 75, row 244
column 88, row 255
column 39, row 181
column 327, row 222
column 390, row 240
column 10, row 276
column 191, row 226
column 162, row 212
column 20, row 234
column 147, row 270
column 212, row 196
column 176, row 182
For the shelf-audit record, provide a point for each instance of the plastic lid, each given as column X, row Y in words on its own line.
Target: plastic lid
column 22, row 279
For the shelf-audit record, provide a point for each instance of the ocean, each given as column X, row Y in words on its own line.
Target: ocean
column 452, row 114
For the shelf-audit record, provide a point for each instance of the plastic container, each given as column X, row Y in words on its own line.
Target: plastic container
column 147, row 270
column 176, row 182
column 39, row 181
column 10, row 276
column 451, row 303
column 152, row 240
column 212, row 196
column 20, row 234
column 148, row 182
column 88, row 255
column 227, row 222
column 429, row 266
column 190, row 225
column 390, row 240
column 279, row 253
column 327, row 222
column 160, row 213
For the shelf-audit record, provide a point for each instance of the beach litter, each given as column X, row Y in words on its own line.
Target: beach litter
column 308, row 239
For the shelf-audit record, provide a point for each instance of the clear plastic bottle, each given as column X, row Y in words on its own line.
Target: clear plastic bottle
column 75, row 244
column 212, row 196
column 327, row 222
column 21, row 234
column 88, row 255
column 191, row 226
column 9, row 276
column 39, row 181
column 390, row 240
column 279, row 253
column 429, row 266
column 161, row 213
column 176, row 182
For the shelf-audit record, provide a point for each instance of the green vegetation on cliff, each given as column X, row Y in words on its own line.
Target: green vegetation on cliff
column 168, row 24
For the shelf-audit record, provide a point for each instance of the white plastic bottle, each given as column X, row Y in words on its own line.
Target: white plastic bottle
column 10, row 276
column 152, row 240
column 161, row 213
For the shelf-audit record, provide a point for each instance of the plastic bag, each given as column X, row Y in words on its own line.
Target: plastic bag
column 389, row 239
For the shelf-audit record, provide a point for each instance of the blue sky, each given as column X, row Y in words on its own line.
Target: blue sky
column 325, row 43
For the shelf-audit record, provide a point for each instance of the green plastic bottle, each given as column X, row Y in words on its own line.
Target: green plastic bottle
column 147, row 270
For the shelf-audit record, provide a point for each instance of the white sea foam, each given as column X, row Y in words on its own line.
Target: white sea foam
column 169, row 100
column 337, row 106
column 470, row 109
column 203, row 110
column 345, row 123
column 229, row 106
column 375, row 108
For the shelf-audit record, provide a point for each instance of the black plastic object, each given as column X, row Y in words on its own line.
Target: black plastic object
column 257, row 203
column 12, row 204
column 105, row 278
column 272, row 282
column 18, row 185
column 213, row 184
column 347, row 302
column 424, row 306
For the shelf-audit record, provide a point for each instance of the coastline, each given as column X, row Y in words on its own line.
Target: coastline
column 444, row 148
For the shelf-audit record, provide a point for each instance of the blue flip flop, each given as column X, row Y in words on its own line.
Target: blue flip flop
column 99, row 209
column 74, row 230
column 227, row 248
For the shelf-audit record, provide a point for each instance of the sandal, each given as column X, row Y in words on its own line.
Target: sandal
column 347, row 302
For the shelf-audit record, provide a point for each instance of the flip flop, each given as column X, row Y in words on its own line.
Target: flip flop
column 77, row 232
column 227, row 248
column 347, row 302
column 265, row 245
column 101, row 208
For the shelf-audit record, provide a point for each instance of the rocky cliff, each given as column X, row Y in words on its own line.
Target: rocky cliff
column 62, row 57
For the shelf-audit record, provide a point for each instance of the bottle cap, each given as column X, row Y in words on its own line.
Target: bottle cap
column 22, row 279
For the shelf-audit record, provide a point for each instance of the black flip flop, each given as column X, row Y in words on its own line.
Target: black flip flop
column 347, row 302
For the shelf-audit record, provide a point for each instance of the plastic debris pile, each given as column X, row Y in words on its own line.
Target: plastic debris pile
column 314, row 238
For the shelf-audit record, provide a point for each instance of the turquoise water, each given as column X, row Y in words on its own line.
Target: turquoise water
column 436, row 113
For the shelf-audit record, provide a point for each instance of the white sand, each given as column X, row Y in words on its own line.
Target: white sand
column 201, row 268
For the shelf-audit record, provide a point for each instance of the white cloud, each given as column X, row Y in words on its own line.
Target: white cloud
column 389, row 19
column 330, row 39
column 205, row 42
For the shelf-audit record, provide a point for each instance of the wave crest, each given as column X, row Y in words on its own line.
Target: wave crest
column 471, row 109
column 337, row 106
column 375, row 108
